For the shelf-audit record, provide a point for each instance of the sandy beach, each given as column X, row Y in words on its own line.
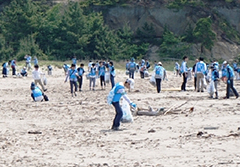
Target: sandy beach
column 74, row 131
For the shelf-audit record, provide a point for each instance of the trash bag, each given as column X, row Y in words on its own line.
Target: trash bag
column 146, row 74
column 44, row 80
column 107, row 77
column 205, row 83
column 88, row 76
column 153, row 80
column 211, row 88
column 127, row 72
column 127, row 115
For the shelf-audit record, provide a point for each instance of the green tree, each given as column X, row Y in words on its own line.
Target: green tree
column 28, row 46
column 19, row 19
column 172, row 46
column 204, row 34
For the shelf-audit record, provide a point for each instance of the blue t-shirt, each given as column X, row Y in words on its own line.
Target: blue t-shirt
column 36, row 92
column 80, row 71
column 101, row 71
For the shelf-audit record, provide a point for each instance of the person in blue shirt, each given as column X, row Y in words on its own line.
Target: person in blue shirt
column 235, row 65
column 66, row 68
column 72, row 75
column 184, row 71
column 127, row 65
column 119, row 91
column 132, row 68
column 28, row 61
column 81, row 71
column 35, row 60
column 228, row 73
column 147, row 64
column 37, row 94
column 13, row 65
column 101, row 74
column 74, row 60
column 5, row 68
column 112, row 73
column 215, row 78
column 24, row 72
column 200, row 71
column 92, row 75
column 159, row 76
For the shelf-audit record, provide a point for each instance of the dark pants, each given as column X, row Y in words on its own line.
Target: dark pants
column 183, row 87
column 13, row 71
column 112, row 80
column 71, row 86
column 119, row 114
column 158, row 83
column 102, row 80
column 24, row 74
column 131, row 74
column 4, row 72
column 80, row 82
column 195, row 82
column 142, row 74
column 230, row 86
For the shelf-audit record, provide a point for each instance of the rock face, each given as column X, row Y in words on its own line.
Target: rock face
column 177, row 21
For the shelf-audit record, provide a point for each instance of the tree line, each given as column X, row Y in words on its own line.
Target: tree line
column 63, row 31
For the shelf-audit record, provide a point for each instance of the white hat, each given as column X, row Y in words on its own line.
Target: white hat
column 225, row 62
column 159, row 63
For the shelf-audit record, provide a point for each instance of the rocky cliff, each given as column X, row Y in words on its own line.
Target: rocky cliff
column 157, row 14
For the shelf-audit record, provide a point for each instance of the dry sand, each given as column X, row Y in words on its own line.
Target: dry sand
column 75, row 130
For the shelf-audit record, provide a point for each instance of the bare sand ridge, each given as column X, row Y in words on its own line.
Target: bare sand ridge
column 74, row 131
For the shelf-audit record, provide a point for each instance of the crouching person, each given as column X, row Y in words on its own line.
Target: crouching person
column 114, row 97
column 36, row 94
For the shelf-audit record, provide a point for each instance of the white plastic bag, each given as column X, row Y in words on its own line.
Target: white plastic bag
column 204, row 82
column 211, row 88
column 146, row 74
column 127, row 72
column 107, row 77
column 152, row 79
column 127, row 115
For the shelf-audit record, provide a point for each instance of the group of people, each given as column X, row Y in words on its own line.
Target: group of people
column 24, row 71
column 105, row 71
column 204, row 73
column 102, row 70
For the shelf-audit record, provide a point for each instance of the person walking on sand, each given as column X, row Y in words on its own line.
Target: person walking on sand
column 112, row 73
column 200, row 71
column 101, row 74
column 228, row 75
column 184, row 71
column 35, row 60
column 28, row 61
column 72, row 75
column 158, row 76
column 132, row 68
column 114, row 97
column 92, row 75
column 37, row 77
column 215, row 79
column 195, row 75
column 5, row 69
column 74, row 60
column 13, row 65
column 81, row 71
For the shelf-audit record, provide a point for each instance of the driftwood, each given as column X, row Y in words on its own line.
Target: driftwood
column 172, row 110
column 174, row 107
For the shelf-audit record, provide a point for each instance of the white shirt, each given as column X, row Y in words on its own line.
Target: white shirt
column 36, row 74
